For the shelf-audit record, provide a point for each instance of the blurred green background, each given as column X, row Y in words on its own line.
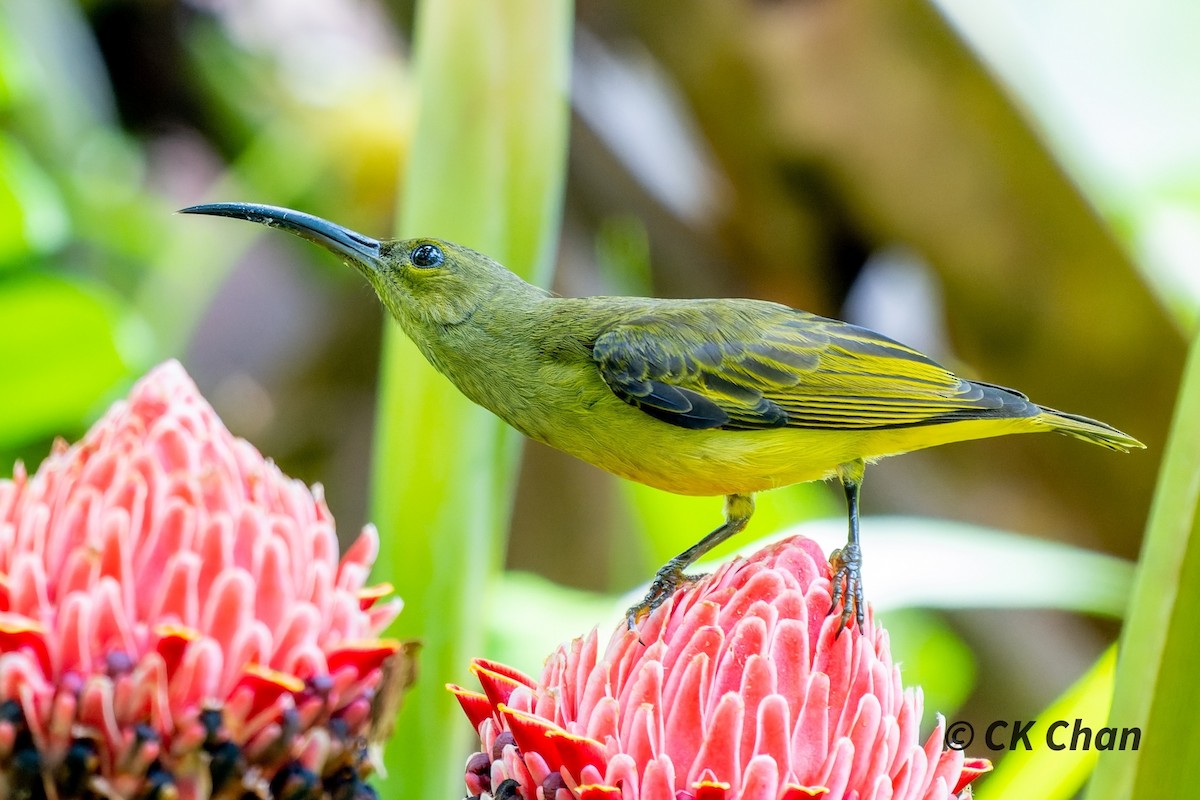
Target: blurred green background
column 1013, row 187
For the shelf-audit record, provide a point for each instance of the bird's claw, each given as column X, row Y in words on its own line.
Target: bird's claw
column 846, row 563
column 666, row 581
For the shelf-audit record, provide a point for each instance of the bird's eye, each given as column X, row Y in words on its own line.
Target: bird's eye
column 426, row 256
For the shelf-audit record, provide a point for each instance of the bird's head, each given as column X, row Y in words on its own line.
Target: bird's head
column 423, row 282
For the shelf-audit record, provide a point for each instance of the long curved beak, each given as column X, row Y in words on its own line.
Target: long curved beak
column 362, row 252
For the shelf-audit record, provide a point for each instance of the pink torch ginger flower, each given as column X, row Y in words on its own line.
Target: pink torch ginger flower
column 743, row 689
column 174, row 620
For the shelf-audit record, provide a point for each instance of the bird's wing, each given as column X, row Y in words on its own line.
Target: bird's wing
column 766, row 366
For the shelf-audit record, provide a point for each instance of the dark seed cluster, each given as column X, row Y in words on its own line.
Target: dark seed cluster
column 480, row 765
column 78, row 775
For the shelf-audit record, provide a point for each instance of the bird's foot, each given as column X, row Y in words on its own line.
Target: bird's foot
column 847, row 585
column 665, row 582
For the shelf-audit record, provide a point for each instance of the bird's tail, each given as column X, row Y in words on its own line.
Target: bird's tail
column 1089, row 430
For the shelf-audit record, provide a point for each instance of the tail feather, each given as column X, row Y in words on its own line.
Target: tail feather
column 1089, row 430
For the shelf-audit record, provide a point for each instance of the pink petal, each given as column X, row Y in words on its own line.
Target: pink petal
column 761, row 781
column 810, row 738
column 658, row 781
column 719, row 751
column 863, row 734
column 685, row 717
column 758, row 681
column 772, row 735
column 972, row 768
column 644, row 690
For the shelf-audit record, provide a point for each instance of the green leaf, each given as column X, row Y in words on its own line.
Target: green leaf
column 14, row 70
column 1156, row 687
column 32, row 217
column 66, row 346
column 486, row 169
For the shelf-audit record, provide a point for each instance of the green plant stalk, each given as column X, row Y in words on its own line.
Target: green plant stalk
column 1156, row 689
column 486, row 169
column 1045, row 774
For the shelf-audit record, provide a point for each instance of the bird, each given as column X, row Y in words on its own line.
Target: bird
column 703, row 397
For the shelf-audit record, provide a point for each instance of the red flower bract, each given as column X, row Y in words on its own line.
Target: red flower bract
column 742, row 689
column 174, row 620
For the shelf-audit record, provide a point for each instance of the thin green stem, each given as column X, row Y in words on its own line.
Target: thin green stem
column 1156, row 690
column 486, row 169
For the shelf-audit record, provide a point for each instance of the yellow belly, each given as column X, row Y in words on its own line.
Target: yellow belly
column 634, row 445
column 574, row 411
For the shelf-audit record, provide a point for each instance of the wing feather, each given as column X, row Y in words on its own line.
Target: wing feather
column 753, row 365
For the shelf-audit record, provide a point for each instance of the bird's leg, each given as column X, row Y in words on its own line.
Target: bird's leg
column 847, row 561
column 738, row 510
